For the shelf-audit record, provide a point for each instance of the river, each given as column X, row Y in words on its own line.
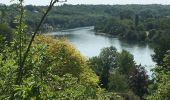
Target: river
column 90, row 44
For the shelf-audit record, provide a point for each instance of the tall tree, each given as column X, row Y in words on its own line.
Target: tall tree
column 125, row 62
column 104, row 63
column 138, row 81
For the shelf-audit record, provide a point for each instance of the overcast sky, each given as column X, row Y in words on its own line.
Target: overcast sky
column 45, row 2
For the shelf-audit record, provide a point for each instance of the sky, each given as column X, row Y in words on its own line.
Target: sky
column 111, row 2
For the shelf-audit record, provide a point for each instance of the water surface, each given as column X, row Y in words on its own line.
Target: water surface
column 90, row 44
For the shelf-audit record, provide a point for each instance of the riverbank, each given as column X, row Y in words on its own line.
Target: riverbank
column 68, row 30
column 122, row 39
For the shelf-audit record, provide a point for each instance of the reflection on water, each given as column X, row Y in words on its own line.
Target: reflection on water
column 90, row 44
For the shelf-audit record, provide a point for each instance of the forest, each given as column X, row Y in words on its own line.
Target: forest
column 34, row 66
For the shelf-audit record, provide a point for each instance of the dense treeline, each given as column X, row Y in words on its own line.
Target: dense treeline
column 150, row 29
column 61, row 17
column 71, row 16
column 54, row 69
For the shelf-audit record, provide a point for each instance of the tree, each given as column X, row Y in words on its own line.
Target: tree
column 161, row 81
column 41, row 68
column 125, row 62
column 166, row 60
column 108, row 57
column 24, row 54
column 63, row 58
column 162, row 46
column 138, row 81
column 126, row 14
column 118, row 82
column 21, row 52
column 96, row 64
column 104, row 63
column 163, row 88
column 114, row 70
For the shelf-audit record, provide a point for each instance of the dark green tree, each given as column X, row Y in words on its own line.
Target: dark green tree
column 108, row 58
column 125, row 62
column 138, row 81
column 104, row 63
column 162, row 45
column 118, row 82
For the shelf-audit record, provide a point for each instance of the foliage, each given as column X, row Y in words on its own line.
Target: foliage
column 52, row 68
column 6, row 35
column 163, row 45
column 166, row 65
column 161, row 82
column 138, row 81
column 7, row 73
column 118, row 82
column 125, row 62
column 163, row 88
column 115, row 69
column 139, row 28
column 64, row 58
column 41, row 80
column 70, row 16
column 104, row 63
column 46, row 69
column 124, row 28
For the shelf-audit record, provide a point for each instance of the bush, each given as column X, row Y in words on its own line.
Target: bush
column 63, row 58
column 54, row 69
